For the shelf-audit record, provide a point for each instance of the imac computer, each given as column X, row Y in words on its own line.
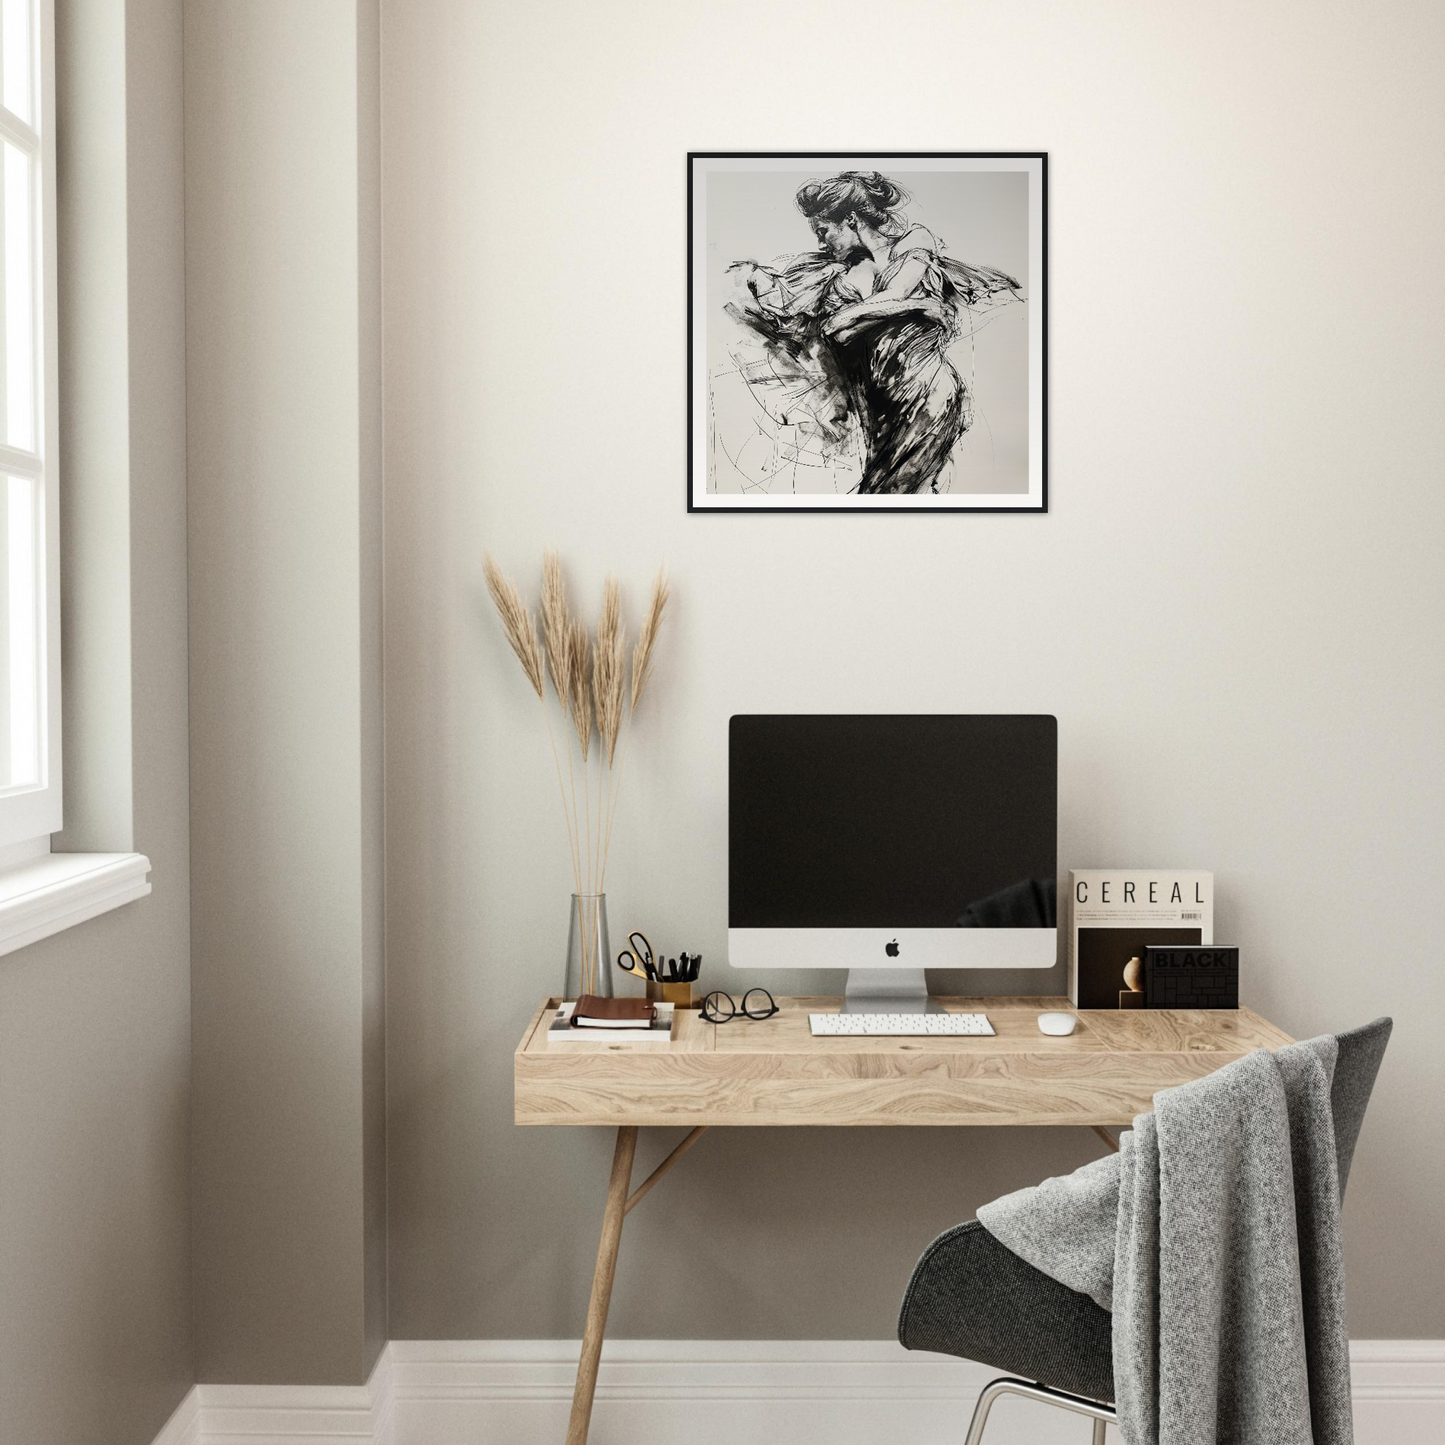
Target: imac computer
column 890, row 844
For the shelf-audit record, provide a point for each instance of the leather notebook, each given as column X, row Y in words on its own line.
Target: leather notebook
column 612, row 1013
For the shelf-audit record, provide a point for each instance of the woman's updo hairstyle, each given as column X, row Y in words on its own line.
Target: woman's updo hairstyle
column 869, row 195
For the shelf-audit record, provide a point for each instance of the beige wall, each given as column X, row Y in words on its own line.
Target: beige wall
column 95, row 1344
column 1234, row 606
column 282, row 317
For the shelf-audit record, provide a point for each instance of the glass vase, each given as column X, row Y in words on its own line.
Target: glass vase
column 589, row 952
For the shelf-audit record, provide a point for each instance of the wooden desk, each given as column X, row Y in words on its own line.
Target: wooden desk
column 773, row 1072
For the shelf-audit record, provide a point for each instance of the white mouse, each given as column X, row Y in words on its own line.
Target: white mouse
column 1057, row 1023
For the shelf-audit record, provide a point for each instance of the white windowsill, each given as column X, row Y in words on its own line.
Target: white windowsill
column 62, row 889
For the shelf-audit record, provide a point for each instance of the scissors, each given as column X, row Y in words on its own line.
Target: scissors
column 637, row 958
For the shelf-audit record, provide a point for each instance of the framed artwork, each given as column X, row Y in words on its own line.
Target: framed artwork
column 867, row 332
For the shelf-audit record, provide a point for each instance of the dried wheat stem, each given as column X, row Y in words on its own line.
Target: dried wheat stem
column 594, row 836
column 641, row 672
column 614, row 796
column 579, row 696
column 593, row 928
column 609, row 669
column 590, row 961
column 579, row 685
column 647, row 636
column 556, row 634
column 557, row 637
column 609, row 690
column 517, row 622
column 562, row 791
column 576, row 815
column 614, row 792
column 587, row 814
column 601, row 843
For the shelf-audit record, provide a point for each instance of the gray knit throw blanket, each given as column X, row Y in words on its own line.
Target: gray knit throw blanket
column 1214, row 1237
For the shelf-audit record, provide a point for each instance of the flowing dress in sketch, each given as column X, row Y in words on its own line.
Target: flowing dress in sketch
column 890, row 377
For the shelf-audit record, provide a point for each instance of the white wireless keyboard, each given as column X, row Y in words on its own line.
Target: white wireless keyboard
column 899, row 1025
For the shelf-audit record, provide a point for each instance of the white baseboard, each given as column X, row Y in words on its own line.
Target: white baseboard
column 184, row 1427
column 714, row 1392
column 288, row 1414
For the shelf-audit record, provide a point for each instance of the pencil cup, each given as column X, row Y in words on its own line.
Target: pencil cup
column 673, row 993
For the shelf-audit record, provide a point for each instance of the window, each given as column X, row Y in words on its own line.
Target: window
column 41, row 892
column 30, row 796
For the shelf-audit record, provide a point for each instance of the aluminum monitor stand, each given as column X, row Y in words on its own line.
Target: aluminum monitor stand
column 887, row 991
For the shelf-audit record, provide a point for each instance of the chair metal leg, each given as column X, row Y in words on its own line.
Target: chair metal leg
column 980, row 1411
column 1100, row 1414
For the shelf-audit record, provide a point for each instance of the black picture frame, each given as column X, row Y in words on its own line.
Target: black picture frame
column 701, row 498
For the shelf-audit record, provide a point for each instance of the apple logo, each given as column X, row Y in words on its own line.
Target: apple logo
column 891, row 949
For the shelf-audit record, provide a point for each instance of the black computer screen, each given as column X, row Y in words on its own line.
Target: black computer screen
column 918, row 821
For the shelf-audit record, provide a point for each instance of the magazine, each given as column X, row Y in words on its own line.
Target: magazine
column 1114, row 913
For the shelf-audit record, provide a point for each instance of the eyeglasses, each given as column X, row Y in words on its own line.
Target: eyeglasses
column 719, row 1008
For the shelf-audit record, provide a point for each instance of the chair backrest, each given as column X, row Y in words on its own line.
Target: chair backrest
column 1359, row 1061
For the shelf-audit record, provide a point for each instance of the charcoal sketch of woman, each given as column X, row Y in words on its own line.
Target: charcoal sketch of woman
column 856, row 332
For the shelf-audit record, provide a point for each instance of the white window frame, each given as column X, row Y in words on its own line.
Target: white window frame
column 42, row 892
column 29, row 815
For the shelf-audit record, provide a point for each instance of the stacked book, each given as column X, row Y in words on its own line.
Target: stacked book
column 611, row 1021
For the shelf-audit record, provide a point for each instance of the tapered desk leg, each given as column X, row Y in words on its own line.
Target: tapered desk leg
column 1106, row 1136
column 612, row 1217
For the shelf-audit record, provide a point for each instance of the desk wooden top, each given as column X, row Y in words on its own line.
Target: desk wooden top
column 774, row 1072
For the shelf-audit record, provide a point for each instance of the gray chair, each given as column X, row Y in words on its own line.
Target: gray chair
column 972, row 1297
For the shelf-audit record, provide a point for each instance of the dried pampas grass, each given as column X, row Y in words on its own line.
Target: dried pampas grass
column 579, row 685
column 609, row 669
column 589, row 681
column 516, row 623
column 555, row 633
column 647, row 637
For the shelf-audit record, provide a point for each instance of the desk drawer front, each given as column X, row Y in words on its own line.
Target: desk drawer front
column 900, row 1088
